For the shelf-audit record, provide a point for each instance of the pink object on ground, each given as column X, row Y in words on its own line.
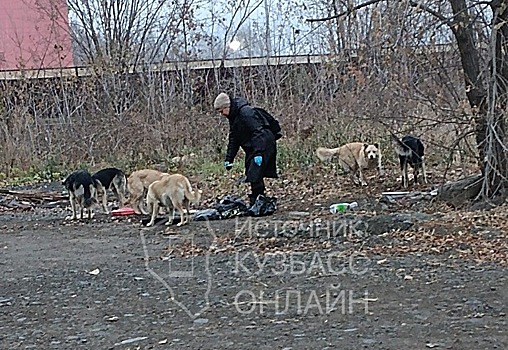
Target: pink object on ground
column 123, row 211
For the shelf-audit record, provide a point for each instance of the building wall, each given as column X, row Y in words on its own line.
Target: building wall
column 35, row 34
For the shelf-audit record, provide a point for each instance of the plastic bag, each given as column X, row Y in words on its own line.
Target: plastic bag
column 263, row 206
column 231, row 206
column 207, row 214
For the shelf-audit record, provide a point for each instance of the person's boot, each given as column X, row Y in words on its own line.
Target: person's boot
column 252, row 199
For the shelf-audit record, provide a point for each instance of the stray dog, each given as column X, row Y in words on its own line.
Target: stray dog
column 410, row 151
column 110, row 179
column 137, row 184
column 171, row 190
column 82, row 192
column 353, row 158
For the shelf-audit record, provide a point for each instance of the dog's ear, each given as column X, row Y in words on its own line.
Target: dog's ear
column 377, row 145
column 365, row 145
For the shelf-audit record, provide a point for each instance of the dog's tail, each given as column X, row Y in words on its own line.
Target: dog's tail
column 193, row 196
column 400, row 147
column 326, row 154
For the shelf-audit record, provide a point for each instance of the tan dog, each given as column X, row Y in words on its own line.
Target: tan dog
column 353, row 158
column 171, row 190
column 137, row 183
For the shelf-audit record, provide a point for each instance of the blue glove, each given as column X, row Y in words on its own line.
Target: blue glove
column 228, row 165
column 258, row 160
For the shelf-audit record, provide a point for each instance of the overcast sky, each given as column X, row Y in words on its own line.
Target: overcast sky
column 289, row 32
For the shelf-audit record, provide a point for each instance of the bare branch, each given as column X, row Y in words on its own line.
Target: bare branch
column 429, row 10
column 345, row 13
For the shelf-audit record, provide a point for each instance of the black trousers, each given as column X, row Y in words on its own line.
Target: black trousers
column 257, row 188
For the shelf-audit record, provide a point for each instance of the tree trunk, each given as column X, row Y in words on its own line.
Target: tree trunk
column 495, row 169
column 488, row 104
column 475, row 84
column 462, row 191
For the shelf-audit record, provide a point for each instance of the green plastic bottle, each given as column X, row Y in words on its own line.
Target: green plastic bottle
column 342, row 207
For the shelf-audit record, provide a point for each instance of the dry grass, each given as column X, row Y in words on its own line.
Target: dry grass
column 134, row 121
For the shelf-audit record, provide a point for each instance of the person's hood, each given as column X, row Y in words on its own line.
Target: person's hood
column 236, row 104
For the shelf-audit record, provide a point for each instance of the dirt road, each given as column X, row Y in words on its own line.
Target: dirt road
column 232, row 285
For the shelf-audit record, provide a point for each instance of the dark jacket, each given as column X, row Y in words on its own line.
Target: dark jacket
column 251, row 132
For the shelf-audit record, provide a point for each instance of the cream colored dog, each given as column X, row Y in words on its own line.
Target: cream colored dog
column 353, row 158
column 171, row 190
column 137, row 183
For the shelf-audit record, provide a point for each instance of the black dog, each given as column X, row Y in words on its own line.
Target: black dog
column 410, row 151
column 114, row 179
column 82, row 192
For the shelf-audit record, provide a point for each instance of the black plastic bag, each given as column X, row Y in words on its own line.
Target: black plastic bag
column 263, row 206
column 207, row 214
column 231, row 206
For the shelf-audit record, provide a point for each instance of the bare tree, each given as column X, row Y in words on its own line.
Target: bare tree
column 124, row 33
column 240, row 14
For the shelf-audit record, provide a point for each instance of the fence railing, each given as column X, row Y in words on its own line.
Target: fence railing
column 81, row 71
column 45, row 73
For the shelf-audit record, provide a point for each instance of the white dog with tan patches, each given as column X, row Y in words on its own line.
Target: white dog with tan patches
column 353, row 158
column 171, row 191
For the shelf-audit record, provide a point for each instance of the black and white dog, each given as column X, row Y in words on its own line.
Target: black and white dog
column 410, row 151
column 82, row 192
column 110, row 179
